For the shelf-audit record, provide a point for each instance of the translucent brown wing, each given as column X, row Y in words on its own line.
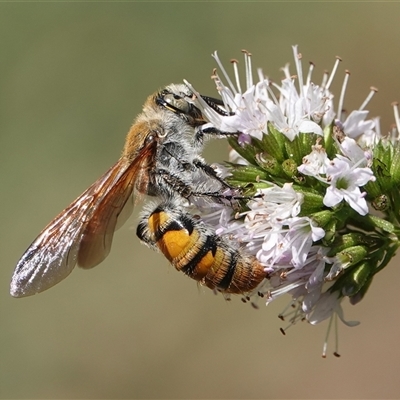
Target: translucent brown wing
column 82, row 233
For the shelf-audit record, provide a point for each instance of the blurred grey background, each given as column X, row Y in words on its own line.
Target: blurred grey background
column 72, row 78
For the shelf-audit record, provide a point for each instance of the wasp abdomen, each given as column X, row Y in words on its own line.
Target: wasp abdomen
column 193, row 248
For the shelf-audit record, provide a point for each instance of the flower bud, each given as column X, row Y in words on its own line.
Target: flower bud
column 322, row 218
column 355, row 279
column 312, row 204
column 351, row 255
column 352, row 239
column 247, row 174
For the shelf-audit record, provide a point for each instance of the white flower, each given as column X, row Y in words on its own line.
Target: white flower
column 315, row 163
column 370, row 137
column 301, row 235
column 345, row 182
column 288, row 225
column 295, row 112
column 275, row 205
column 250, row 119
column 316, row 261
column 355, row 124
column 355, row 153
column 329, row 303
column 298, row 110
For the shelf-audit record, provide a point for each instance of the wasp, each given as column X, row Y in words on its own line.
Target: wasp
column 162, row 158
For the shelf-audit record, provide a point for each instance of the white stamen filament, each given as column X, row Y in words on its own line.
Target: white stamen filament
column 250, row 84
column 247, row 66
column 336, row 336
column 342, row 93
column 260, row 74
column 272, row 94
column 236, row 72
column 328, row 331
column 222, row 92
column 335, row 67
column 310, row 71
column 299, row 69
column 396, row 117
column 285, row 288
column 216, row 58
column 369, row 97
column 286, row 71
column 324, row 79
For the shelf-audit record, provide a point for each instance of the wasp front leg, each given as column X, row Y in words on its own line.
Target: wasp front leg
column 212, row 131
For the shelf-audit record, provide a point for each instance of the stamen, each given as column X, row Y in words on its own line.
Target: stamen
column 236, row 72
column 377, row 129
column 282, row 314
column 263, row 82
column 260, row 74
column 286, row 288
column 297, row 316
column 220, row 87
column 225, row 93
column 286, row 71
column 338, row 60
column 369, row 97
column 250, row 71
column 342, row 93
column 395, row 106
column 216, row 58
column 299, row 69
column 324, row 79
column 272, row 94
column 336, row 352
column 328, row 331
column 247, row 105
column 310, row 71
column 247, row 65
column 393, row 133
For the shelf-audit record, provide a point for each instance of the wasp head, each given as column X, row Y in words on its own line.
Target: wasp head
column 179, row 99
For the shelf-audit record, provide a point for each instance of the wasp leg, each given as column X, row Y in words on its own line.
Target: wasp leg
column 212, row 131
column 210, row 171
column 143, row 233
column 176, row 186
column 173, row 184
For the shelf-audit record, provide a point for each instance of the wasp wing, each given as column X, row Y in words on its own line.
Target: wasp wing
column 111, row 212
column 82, row 233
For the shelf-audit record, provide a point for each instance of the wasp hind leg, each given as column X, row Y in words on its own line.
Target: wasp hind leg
column 210, row 171
column 225, row 195
column 143, row 232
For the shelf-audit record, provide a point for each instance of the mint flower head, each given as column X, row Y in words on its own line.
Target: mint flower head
column 315, row 180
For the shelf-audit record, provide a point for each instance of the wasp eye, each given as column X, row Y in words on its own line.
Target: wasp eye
column 150, row 138
column 177, row 102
